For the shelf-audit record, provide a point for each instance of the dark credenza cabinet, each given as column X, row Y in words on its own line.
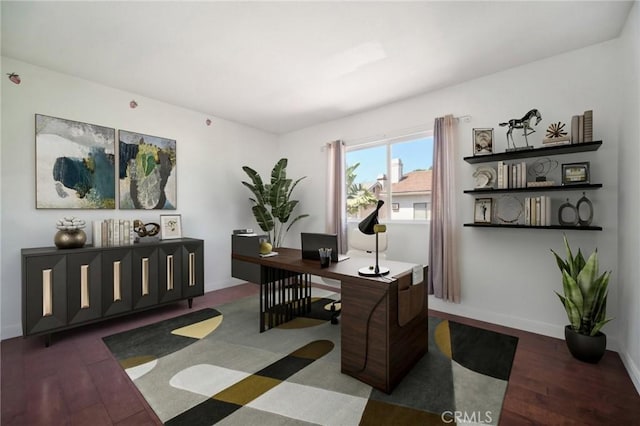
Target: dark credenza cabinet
column 62, row 289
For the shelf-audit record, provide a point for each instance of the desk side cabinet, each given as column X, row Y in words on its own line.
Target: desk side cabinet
column 62, row 289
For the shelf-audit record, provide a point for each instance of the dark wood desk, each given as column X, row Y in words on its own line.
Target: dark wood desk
column 384, row 324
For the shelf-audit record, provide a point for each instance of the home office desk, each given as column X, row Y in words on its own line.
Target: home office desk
column 384, row 324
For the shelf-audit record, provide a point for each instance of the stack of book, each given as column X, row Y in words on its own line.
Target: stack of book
column 537, row 211
column 561, row 140
column 112, row 232
column 582, row 127
column 512, row 175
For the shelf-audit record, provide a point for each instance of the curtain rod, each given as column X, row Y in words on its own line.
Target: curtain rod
column 409, row 131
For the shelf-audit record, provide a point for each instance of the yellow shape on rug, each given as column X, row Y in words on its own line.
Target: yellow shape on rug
column 247, row 390
column 442, row 338
column 199, row 330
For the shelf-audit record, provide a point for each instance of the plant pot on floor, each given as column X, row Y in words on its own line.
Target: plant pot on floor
column 585, row 348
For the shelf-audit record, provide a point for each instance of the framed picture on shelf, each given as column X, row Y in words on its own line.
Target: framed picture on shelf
column 482, row 141
column 170, row 226
column 483, row 210
column 575, row 173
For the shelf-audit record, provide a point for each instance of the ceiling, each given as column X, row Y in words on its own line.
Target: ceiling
column 282, row 66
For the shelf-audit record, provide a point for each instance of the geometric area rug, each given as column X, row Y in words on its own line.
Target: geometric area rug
column 213, row 366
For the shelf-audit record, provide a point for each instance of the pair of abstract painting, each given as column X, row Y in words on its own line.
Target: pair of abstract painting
column 76, row 167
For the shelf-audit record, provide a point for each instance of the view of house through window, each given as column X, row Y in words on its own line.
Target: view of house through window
column 397, row 171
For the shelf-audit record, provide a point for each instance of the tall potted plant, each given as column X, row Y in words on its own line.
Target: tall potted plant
column 585, row 300
column 272, row 205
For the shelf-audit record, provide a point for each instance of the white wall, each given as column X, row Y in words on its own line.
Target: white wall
column 211, row 199
column 508, row 276
column 629, row 203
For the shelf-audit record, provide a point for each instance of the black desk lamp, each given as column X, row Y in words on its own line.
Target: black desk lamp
column 370, row 226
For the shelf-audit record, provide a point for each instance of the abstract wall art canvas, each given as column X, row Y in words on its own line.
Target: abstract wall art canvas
column 147, row 171
column 75, row 165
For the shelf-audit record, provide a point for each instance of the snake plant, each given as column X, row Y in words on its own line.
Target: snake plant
column 272, row 205
column 585, row 292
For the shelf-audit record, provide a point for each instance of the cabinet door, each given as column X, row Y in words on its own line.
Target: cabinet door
column 192, row 269
column 116, row 284
column 144, row 281
column 169, row 273
column 44, row 293
column 84, row 286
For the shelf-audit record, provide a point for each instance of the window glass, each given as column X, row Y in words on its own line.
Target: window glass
column 397, row 171
column 420, row 211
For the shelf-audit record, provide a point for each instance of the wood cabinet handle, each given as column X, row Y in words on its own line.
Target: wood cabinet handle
column 192, row 269
column 84, row 286
column 145, row 276
column 170, row 272
column 47, row 292
column 117, row 293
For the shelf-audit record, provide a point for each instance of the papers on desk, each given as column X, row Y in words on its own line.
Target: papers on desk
column 273, row 253
column 418, row 275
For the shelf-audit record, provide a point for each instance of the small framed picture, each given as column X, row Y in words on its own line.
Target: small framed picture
column 171, row 226
column 482, row 141
column 483, row 210
column 575, row 173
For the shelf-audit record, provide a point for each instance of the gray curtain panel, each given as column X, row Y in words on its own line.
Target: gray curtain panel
column 444, row 279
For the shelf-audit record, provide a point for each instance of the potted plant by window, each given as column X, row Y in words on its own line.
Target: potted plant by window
column 272, row 205
column 585, row 300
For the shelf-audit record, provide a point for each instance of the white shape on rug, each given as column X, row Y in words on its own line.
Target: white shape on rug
column 311, row 404
column 478, row 396
column 140, row 370
column 320, row 292
column 206, row 379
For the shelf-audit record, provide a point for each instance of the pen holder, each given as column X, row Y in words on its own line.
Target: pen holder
column 325, row 257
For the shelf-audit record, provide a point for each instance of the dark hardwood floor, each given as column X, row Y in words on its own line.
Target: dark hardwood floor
column 76, row 381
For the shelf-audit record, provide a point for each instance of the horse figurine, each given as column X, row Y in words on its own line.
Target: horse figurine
column 524, row 124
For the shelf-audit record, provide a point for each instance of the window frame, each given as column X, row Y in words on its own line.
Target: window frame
column 388, row 142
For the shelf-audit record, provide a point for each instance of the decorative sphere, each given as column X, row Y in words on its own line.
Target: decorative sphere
column 70, row 239
column 265, row 247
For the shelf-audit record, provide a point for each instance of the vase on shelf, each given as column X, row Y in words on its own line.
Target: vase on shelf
column 68, row 239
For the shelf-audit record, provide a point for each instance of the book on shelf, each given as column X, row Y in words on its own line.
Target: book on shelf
column 537, row 211
column 575, row 126
column 96, row 230
column 243, row 231
column 271, row 254
column 541, row 183
column 562, row 140
column 112, row 232
column 588, row 126
column 547, row 212
column 582, row 127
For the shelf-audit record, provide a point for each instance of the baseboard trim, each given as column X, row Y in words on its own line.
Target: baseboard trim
column 538, row 327
column 630, row 365
column 11, row 331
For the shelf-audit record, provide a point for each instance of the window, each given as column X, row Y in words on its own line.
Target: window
column 397, row 171
column 420, row 211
